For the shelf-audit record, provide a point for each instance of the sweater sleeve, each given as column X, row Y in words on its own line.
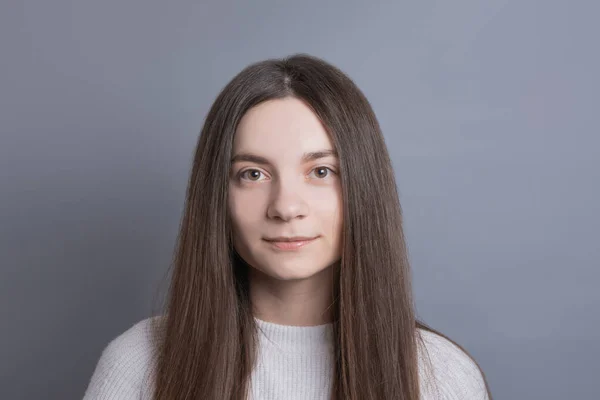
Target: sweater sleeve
column 453, row 374
column 124, row 365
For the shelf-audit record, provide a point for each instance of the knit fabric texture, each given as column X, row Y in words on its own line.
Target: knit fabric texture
column 294, row 363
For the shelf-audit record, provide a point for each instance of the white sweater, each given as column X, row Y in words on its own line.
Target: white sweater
column 293, row 363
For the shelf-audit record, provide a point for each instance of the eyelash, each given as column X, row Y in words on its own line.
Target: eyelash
column 241, row 174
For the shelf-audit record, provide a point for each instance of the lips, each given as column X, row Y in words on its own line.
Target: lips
column 290, row 243
column 289, row 239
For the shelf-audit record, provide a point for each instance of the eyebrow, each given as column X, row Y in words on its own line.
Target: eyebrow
column 307, row 157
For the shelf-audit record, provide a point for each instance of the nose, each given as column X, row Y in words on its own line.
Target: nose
column 287, row 202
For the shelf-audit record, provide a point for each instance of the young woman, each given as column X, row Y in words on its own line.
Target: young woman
column 291, row 278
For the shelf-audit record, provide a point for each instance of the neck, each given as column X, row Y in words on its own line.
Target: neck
column 303, row 302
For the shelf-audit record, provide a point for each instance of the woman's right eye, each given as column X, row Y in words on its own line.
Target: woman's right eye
column 253, row 174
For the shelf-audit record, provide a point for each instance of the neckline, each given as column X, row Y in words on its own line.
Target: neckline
column 314, row 339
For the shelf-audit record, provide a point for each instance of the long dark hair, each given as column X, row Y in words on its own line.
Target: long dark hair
column 208, row 333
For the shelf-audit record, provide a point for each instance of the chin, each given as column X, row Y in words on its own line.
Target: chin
column 290, row 271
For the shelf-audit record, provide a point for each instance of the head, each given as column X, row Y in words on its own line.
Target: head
column 290, row 147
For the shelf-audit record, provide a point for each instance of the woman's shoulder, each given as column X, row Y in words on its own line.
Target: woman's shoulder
column 447, row 372
column 126, row 362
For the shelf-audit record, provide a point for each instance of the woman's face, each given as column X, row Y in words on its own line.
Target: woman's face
column 284, row 183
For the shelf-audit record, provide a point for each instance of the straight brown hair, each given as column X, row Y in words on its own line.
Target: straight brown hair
column 208, row 341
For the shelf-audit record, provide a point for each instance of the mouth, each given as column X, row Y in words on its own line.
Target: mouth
column 290, row 243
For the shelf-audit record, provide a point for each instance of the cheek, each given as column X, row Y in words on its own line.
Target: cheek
column 235, row 210
column 330, row 213
column 245, row 212
column 241, row 227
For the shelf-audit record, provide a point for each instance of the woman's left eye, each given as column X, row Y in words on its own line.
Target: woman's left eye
column 322, row 172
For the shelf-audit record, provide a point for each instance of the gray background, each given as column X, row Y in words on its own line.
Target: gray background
column 490, row 110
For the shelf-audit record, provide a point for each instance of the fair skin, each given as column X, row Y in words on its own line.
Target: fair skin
column 290, row 188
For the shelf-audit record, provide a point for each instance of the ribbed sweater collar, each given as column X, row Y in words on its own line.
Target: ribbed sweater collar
column 296, row 339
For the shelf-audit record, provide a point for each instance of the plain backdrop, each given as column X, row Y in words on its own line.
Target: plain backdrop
column 490, row 111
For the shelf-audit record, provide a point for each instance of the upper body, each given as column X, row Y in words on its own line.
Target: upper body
column 294, row 363
column 291, row 216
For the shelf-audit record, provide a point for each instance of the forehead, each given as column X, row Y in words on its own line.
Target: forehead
column 281, row 129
